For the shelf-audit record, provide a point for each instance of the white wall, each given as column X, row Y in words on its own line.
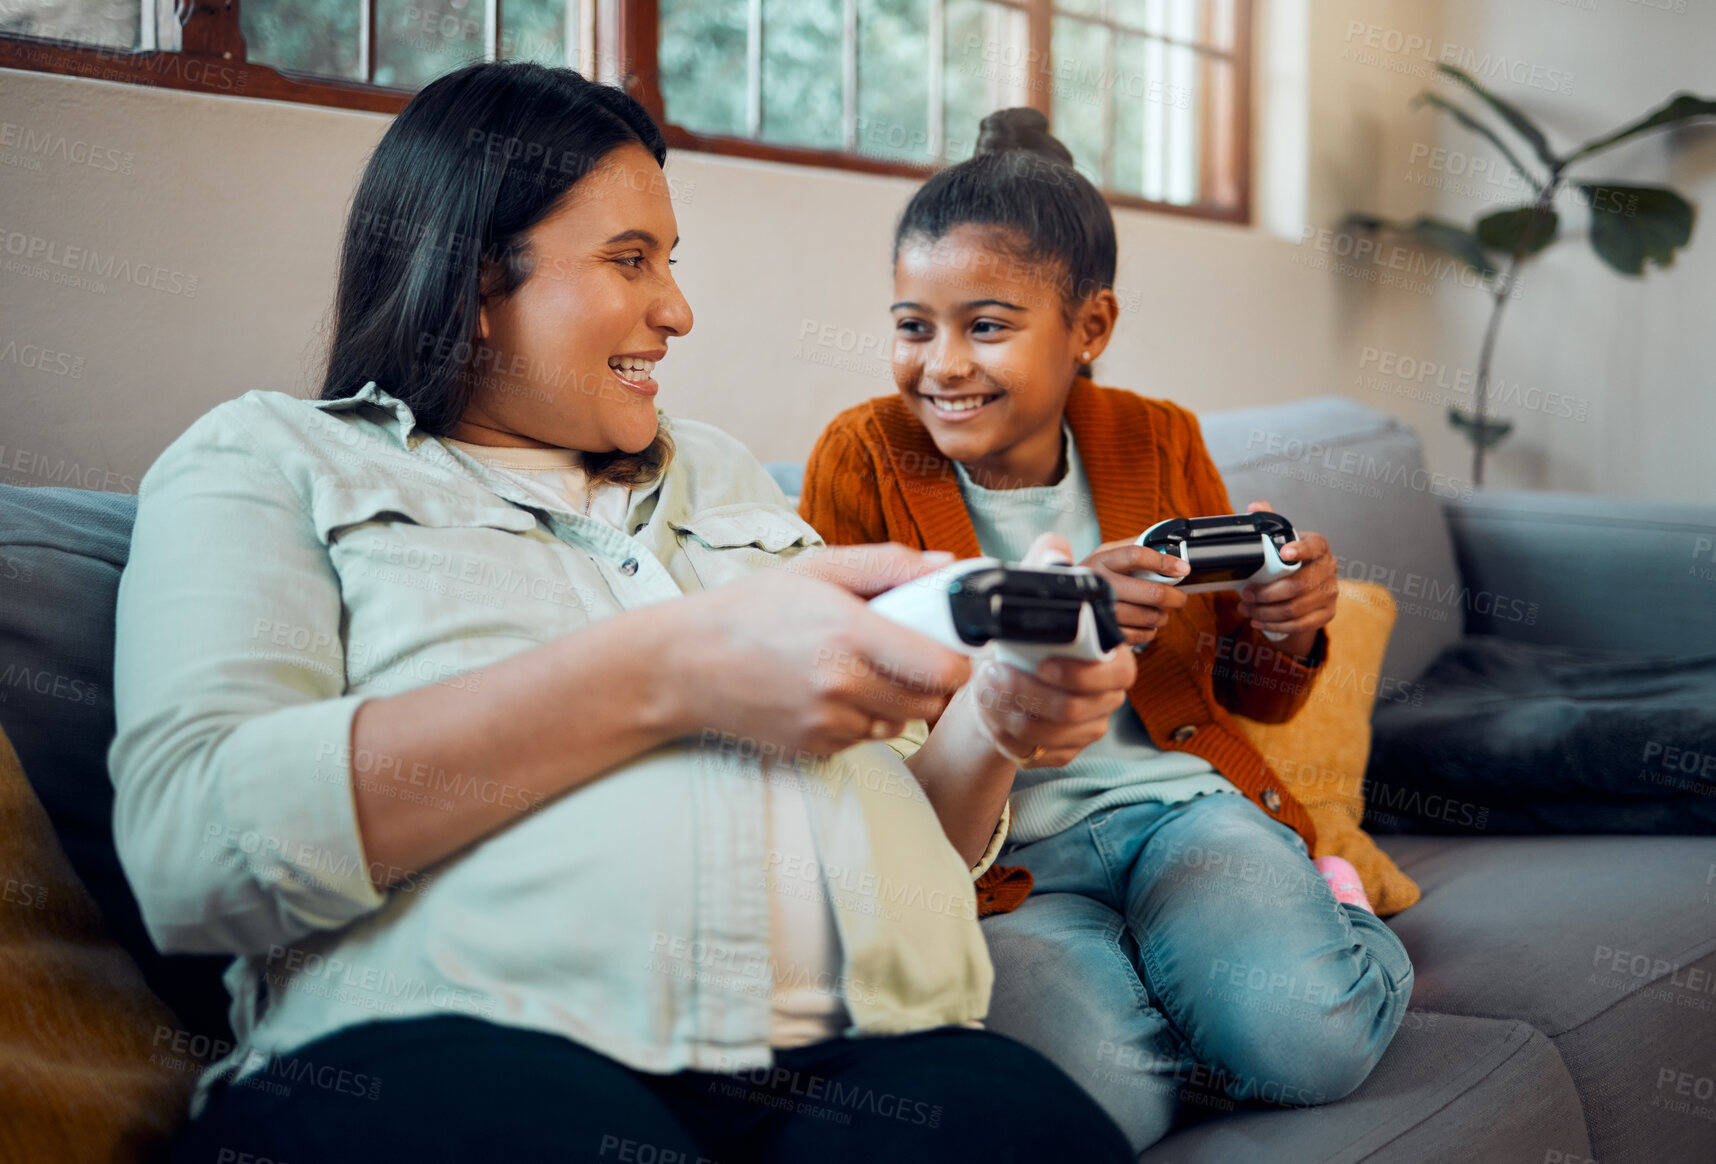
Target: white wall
column 1635, row 357
column 248, row 197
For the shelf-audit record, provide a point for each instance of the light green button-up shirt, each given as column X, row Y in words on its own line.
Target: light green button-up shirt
column 293, row 558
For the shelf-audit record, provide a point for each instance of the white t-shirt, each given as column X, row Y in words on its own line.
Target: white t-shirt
column 804, row 945
column 556, row 476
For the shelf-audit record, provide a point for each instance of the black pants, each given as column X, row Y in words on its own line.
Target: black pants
column 461, row 1089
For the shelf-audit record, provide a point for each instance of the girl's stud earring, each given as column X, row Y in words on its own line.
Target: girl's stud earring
column 1086, row 357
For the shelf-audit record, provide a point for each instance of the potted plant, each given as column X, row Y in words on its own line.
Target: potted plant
column 1631, row 226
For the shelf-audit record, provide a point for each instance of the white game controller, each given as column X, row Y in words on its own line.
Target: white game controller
column 1029, row 614
column 1225, row 553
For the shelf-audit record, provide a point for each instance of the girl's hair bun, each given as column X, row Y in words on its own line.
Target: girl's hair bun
column 1021, row 129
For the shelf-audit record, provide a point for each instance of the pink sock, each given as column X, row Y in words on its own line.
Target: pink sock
column 1344, row 880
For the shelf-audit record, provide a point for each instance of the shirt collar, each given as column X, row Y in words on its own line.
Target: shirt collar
column 374, row 394
column 1068, row 483
column 404, row 423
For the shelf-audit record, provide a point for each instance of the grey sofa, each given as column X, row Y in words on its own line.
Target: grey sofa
column 1565, row 1003
column 1565, row 998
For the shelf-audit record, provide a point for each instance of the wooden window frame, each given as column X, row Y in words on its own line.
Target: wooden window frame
column 211, row 58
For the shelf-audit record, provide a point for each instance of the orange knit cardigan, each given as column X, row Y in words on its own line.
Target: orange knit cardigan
column 876, row 475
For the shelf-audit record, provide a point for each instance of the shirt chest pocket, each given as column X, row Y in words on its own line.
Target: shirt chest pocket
column 436, row 584
column 728, row 542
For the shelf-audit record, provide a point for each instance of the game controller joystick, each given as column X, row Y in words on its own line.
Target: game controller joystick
column 1030, row 614
column 1225, row 553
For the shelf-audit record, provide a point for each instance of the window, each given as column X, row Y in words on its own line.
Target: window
column 1152, row 96
column 1150, row 103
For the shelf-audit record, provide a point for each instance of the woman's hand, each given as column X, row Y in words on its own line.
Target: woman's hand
column 1300, row 604
column 792, row 658
column 1143, row 608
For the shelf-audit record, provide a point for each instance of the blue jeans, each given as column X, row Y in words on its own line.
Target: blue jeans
column 1178, row 954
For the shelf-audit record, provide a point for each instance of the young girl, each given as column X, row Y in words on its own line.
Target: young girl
column 1178, row 935
column 541, row 820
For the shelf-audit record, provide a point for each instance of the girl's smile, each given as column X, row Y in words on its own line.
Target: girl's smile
column 959, row 409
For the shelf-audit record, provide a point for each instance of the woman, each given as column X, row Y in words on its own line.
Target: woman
column 542, row 821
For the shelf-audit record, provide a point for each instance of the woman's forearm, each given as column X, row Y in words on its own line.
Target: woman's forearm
column 966, row 779
column 438, row 767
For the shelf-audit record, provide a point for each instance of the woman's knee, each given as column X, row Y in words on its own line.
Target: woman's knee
column 1010, row 1102
column 1060, row 1120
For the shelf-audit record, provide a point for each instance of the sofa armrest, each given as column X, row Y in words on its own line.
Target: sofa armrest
column 1598, row 572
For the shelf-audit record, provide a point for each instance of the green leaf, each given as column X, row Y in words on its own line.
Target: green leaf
column 1435, row 234
column 1632, row 225
column 1683, row 107
column 1524, row 230
column 1522, row 125
column 1486, row 436
column 1477, row 127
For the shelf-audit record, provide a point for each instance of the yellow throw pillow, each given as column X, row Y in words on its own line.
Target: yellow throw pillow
column 1320, row 753
column 80, row 1075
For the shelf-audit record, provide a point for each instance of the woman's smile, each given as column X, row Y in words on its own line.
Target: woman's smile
column 636, row 371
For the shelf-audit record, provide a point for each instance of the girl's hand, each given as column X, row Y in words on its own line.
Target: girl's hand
column 1143, row 608
column 1300, row 604
column 1045, row 719
column 793, row 659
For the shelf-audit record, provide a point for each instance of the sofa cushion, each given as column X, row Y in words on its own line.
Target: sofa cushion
column 1605, row 944
column 1320, row 752
column 1447, row 1088
column 1526, row 558
column 61, row 552
column 1356, row 476
column 1513, row 737
column 789, row 475
column 88, row 1069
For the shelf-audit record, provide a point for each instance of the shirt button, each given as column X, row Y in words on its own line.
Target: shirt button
column 629, row 567
column 1184, row 732
column 1271, row 800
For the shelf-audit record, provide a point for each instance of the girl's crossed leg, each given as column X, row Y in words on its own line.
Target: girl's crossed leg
column 1174, row 953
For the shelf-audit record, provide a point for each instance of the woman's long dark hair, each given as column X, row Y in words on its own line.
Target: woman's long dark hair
column 1021, row 182
column 473, row 162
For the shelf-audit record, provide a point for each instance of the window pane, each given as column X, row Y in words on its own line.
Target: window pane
column 1134, row 88
column 1155, row 113
column 1182, row 143
column 318, row 37
column 1137, row 13
column 1087, row 7
column 702, row 64
column 112, row 23
column 893, row 79
column 987, row 68
column 803, row 97
column 1078, row 52
column 419, row 40
column 535, row 30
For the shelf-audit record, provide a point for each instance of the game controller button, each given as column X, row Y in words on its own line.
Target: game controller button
column 1271, row 800
column 1184, row 732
